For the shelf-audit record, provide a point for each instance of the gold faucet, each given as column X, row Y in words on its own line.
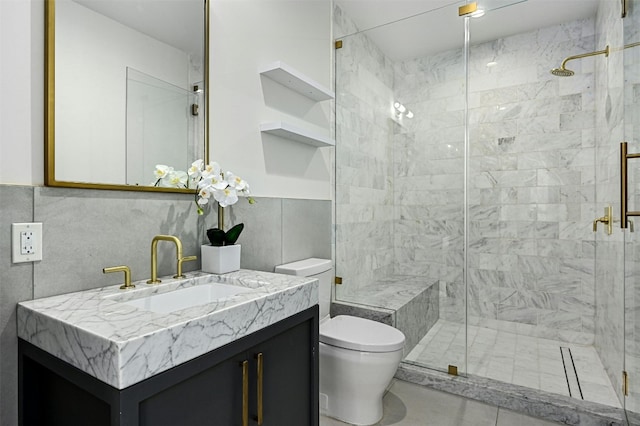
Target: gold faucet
column 154, row 257
column 127, row 275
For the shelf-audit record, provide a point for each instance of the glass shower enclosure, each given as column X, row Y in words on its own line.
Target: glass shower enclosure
column 472, row 188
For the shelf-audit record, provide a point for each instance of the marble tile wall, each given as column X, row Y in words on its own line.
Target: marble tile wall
column 531, row 182
column 429, row 175
column 609, row 262
column 84, row 231
column 364, row 166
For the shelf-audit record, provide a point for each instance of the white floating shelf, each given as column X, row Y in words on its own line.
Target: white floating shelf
column 287, row 131
column 295, row 80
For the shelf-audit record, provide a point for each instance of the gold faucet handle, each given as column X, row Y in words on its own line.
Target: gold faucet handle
column 127, row 275
column 179, row 273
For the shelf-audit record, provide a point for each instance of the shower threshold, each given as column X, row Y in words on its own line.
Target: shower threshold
column 548, row 365
column 532, row 402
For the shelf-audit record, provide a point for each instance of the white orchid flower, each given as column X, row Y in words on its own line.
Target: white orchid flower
column 203, row 196
column 235, row 182
column 162, row 171
column 195, row 171
column 225, row 197
column 214, row 182
column 177, row 178
column 212, row 168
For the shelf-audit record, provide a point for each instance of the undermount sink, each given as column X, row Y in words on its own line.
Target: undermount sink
column 187, row 297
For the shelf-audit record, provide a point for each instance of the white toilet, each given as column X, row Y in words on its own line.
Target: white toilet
column 358, row 357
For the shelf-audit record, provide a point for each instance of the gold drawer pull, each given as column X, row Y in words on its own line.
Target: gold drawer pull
column 245, row 393
column 260, row 368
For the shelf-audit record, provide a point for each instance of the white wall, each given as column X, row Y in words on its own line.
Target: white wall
column 245, row 35
column 21, row 86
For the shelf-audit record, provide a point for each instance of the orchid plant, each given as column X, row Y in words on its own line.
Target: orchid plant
column 209, row 182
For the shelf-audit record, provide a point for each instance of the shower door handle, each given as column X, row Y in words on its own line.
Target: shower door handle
column 624, row 212
column 607, row 219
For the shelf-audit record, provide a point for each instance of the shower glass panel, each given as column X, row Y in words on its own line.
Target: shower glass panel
column 541, row 284
column 632, row 242
column 468, row 184
column 399, row 180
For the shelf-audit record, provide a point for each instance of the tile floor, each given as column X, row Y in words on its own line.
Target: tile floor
column 522, row 360
column 407, row 404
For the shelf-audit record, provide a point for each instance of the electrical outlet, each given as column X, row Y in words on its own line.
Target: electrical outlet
column 26, row 242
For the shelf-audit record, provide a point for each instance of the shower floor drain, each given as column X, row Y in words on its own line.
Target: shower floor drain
column 570, row 373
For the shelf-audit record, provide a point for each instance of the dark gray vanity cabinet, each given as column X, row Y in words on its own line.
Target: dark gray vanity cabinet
column 269, row 377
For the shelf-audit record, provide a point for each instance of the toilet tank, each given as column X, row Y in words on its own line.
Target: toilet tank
column 314, row 268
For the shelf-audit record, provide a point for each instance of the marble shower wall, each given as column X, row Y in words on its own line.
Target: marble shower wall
column 364, row 166
column 429, row 175
column 531, row 183
column 87, row 230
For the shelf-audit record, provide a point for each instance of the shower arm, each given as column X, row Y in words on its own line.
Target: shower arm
column 604, row 52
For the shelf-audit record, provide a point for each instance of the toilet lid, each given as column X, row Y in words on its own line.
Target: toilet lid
column 361, row 334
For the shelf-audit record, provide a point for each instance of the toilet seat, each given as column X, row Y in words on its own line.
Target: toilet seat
column 360, row 334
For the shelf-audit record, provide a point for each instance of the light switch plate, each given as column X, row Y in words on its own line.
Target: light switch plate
column 26, row 243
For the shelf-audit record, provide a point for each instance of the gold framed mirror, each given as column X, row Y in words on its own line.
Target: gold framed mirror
column 126, row 88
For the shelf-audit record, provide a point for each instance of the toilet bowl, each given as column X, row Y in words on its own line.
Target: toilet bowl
column 358, row 357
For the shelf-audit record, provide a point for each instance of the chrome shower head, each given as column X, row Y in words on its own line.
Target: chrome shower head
column 562, row 72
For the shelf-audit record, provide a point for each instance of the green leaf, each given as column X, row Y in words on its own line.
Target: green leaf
column 216, row 236
column 233, row 234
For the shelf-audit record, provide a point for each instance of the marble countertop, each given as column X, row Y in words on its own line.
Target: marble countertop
column 122, row 345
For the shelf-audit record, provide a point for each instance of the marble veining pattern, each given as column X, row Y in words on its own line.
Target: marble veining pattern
column 544, row 405
column 530, row 182
column 364, row 166
column 531, row 178
column 411, row 304
column 122, row 345
column 515, row 358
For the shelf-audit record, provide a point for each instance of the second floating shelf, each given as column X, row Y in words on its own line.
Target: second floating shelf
column 287, row 131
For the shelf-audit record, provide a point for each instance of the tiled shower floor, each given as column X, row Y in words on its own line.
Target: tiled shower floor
column 522, row 360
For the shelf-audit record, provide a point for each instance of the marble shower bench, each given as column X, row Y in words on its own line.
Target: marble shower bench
column 409, row 303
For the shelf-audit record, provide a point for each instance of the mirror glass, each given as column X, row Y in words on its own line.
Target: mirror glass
column 126, row 90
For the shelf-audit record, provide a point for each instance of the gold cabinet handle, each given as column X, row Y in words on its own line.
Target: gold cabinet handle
column 245, row 392
column 260, row 368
